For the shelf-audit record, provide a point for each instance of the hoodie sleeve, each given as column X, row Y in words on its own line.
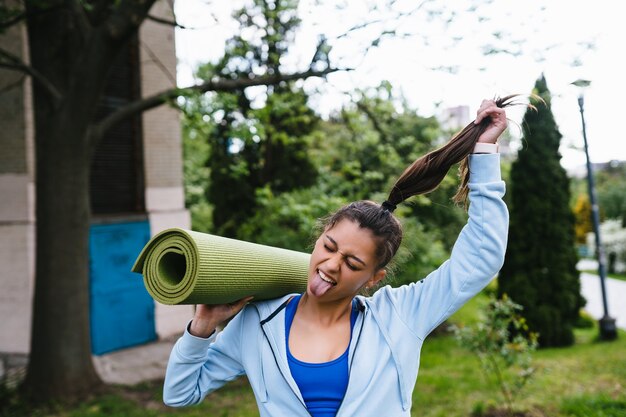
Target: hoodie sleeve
column 476, row 257
column 198, row 366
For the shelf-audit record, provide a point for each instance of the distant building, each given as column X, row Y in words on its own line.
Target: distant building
column 454, row 118
column 136, row 188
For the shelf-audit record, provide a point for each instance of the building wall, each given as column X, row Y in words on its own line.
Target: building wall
column 17, row 200
column 165, row 197
column 163, row 177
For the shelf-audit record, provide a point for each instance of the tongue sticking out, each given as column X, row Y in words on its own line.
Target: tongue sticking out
column 319, row 286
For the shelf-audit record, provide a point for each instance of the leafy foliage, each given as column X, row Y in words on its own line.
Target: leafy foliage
column 610, row 186
column 611, row 189
column 540, row 263
column 253, row 146
column 504, row 346
column 582, row 213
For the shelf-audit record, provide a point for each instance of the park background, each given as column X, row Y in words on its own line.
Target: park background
column 397, row 80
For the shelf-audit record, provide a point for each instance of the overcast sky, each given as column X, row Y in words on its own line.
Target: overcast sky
column 440, row 62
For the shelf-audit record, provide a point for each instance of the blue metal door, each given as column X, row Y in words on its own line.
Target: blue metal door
column 122, row 311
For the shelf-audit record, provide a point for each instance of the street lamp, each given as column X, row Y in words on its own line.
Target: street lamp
column 608, row 330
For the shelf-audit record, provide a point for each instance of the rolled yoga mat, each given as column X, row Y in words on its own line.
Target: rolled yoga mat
column 185, row 267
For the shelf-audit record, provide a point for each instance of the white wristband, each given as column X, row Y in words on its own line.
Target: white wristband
column 486, row 148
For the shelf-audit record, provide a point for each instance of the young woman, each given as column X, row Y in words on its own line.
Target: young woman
column 330, row 351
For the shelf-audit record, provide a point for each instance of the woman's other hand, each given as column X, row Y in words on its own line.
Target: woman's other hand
column 498, row 122
column 208, row 317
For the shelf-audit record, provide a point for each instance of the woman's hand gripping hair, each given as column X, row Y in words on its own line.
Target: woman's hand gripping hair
column 498, row 122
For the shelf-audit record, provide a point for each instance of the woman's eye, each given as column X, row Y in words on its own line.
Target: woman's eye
column 352, row 267
column 328, row 248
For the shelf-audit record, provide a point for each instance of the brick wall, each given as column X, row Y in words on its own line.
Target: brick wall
column 17, row 200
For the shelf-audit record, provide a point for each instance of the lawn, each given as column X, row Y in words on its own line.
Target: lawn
column 585, row 380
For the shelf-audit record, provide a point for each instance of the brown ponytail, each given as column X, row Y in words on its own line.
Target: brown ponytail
column 425, row 174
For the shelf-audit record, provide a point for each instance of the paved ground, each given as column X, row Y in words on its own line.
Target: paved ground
column 615, row 290
column 137, row 364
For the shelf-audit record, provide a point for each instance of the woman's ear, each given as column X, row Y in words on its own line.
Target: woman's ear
column 378, row 276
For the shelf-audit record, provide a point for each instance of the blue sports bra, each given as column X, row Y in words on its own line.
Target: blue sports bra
column 322, row 385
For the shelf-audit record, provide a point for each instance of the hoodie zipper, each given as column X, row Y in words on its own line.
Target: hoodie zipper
column 356, row 344
column 271, row 316
column 281, row 372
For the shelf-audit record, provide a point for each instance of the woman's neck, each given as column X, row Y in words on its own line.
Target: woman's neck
column 326, row 314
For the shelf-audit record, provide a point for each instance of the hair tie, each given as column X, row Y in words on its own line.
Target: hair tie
column 390, row 207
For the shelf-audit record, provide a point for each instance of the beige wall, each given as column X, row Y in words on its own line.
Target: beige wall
column 164, row 194
column 17, row 200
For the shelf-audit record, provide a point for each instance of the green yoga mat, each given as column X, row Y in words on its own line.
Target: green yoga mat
column 185, row 267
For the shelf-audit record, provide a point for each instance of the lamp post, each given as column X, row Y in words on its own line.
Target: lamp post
column 608, row 330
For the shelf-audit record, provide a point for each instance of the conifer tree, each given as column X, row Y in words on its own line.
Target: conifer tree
column 539, row 271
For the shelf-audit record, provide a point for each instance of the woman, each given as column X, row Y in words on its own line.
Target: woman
column 331, row 352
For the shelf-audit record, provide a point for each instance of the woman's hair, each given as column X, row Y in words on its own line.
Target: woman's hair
column 382, row 223
column 422, row 176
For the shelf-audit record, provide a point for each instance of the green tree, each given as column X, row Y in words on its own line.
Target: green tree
column 611, row 189
column 610, row 182
column 540, row 265
column 251, row 146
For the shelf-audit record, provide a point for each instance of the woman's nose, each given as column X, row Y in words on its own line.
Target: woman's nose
column 334, row 261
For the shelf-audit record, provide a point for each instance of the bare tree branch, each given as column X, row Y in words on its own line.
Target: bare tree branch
column 382, row 131
column 13, row 20
column 12, row 85
column 12, row 62
column 396, row 18
column 217, row 85
column 166, row 22
column 154, row 58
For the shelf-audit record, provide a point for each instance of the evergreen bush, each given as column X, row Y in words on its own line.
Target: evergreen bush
column 540, row 265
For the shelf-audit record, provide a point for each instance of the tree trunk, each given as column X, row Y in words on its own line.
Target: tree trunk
column 60, row 365
column 76, row 61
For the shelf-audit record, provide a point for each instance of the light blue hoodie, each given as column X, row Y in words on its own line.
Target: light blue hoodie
column 384, row 351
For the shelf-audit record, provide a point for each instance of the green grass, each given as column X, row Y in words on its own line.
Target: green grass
column 451, row 381
column 587, row 379
column 598, row 406
column 621, row 277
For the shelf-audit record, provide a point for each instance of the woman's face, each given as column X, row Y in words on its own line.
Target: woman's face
column 343, row 261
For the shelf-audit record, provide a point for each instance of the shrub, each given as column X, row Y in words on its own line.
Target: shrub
column 504, row 346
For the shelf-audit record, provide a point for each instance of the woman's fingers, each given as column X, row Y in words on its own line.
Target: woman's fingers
column 208, row 317
column 487, row 108
column 496, row 114
column 239, row 304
